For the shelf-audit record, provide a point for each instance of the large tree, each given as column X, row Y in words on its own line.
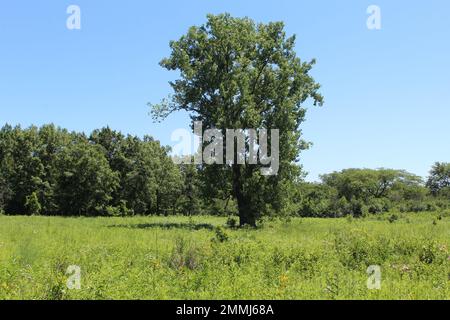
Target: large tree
column 439, row 179
column 235, row 74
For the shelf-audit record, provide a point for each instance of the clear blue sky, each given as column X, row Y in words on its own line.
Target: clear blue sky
column 387, row 91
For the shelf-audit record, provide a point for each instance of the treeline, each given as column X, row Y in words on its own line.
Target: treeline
column 359, row 192
column 51, row 171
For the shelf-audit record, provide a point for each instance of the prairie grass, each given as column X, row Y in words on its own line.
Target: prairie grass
column 199, row 258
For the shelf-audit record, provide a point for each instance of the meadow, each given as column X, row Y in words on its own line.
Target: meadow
column 202, row 258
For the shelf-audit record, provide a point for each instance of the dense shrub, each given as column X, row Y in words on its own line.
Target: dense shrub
column 32, row 204
column 317, row 200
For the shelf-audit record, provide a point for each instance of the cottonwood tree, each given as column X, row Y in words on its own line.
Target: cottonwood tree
column 236, row 74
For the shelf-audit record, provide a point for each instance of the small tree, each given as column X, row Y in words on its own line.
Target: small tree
column 33, row 205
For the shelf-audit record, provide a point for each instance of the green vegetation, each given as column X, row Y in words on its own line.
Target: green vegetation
column 360, row 192
column 234, row 74
column 50, row 171
column 142, row 227
column 201, row 258
column 237, row 75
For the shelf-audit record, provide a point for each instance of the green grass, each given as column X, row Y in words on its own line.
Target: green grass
column 182, row 258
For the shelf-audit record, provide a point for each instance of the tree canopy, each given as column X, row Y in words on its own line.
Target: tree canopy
column 439, row 180
column 51, row 171
column 236, row 74
column 368, row 183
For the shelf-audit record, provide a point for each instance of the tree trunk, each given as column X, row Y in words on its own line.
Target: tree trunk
column 158, row 211
column 246, row 216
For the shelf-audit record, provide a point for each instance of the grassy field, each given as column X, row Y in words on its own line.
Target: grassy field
column 183, row 258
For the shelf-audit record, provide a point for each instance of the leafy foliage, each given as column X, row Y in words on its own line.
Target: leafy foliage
column 235, row 74
column 439, row 180
column 51, row 171
column 359, row 192
column 32, row 204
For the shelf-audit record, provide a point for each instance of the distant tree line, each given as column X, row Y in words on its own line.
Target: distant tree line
column 359, row 192
column 51, row 171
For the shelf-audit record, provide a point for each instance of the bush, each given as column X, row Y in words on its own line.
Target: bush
column 442, row 204
column 232, row 222
column 343, row 207
column 445, row 213
column 432, row 253
column 422, row 206
column 184, row 256
column 376, row 206
column 351, row 248
column 316, row 200
column 359, row 209
column 120, row 211
column 220, row 235
column 32, row 204
column 393, row 218
column 432, row 207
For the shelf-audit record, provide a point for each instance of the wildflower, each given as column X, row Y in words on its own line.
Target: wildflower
column 283, row 280
column 443, row 248
column 405, row 269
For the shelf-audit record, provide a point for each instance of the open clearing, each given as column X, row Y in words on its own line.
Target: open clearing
column 188, row 258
